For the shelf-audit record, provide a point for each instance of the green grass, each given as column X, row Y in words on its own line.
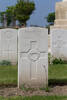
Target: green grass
column 8, row 75
column 36, row 98
column 58, row 74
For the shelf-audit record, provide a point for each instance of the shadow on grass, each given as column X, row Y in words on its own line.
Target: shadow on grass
column 8, row 85
column 59, row 82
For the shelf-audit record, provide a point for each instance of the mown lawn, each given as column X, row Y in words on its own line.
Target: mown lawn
column 57, row 74
column 36, row 98
column 8, row 75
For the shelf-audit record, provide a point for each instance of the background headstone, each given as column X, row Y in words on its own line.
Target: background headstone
column 8, row 45
column 61, row 15
column 59, row 32
column 59, row 43
column 33, row 57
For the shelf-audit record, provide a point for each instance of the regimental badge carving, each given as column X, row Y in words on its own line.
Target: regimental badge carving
column 34, row 55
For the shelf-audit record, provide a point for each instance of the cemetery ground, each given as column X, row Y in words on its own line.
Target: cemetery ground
column 57, row 89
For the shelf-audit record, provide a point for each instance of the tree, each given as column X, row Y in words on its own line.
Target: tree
column 23, row 11
column 2, row 17
column 51, row 18
column 11, row 16
column 20, row 12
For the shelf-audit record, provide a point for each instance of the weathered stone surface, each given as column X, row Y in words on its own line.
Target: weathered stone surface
column 61, row 10
column 61, row 13
column 8, row 45
column 59, row 32
column 33, row 57
column 59, row 43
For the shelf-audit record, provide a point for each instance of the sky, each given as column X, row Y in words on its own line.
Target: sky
column 43, row 8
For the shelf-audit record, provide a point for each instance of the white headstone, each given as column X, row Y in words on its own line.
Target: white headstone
column 59, row 43
column 8, row 45
column 33, row 57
